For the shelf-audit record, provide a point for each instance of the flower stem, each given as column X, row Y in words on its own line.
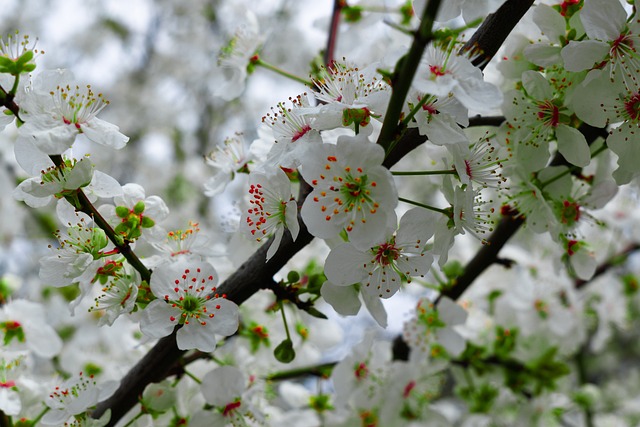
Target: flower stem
column 571, row 169
column 193, row 377
column 39, row 417
column 134, row 419
column 414, row 111
column 284, row 320
column 261, row 63
column 85, row 205
column 14, row 89
column 418, row 173
column 431, row 208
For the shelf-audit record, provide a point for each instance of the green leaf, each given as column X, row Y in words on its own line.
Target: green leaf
column 315, row 313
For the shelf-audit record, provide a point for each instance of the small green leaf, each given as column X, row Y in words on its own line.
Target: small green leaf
column 315, row 313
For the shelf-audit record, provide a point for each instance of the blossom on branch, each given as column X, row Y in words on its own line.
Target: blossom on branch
column 186, row 297
column 73, row 397
column 56, row 110
column 292, row 131
column 442, row 72
column 352, row 191
column 350, row 97
column 382, row 268
column 228, row 159
column 230, row 76
column 271, row 209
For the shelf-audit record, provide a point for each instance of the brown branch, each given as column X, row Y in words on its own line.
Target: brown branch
column 255, row 272
column 329, row 53
column 485, row 42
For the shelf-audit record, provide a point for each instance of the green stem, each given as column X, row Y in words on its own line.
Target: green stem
column 259, row 62
column 555, row 178
column 14, row 89
column 284, row 320
column 85, row 205
column 39, row 417
column 218, row 361
column 431, row 208
column 571, row 169
column 193, row 377
column 134, row 419
column 471, row 24
column 403, row 76
column 418, row 173
column 415, row 110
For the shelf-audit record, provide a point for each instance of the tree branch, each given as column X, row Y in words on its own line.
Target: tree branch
column 329, row 53
column 253, row 274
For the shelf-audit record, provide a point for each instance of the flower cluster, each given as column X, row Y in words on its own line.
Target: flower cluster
column 234, row 310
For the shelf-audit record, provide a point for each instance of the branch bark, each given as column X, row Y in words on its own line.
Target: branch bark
column 251, row 276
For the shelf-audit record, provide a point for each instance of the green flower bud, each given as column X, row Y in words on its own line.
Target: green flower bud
column 293, row 277
column 138, row 208
column 147, row 222
column 284, row 352
column 122, row 211
column 99, row 239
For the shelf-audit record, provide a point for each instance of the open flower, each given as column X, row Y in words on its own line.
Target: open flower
column 186, row 296
column 612, row 43
column 271, row 209
column 350, row 96
column 178, row 244
column 603, row 102
column 439, row 118
column 56, row 111
column 382, row 268
column 51, row 181
column 292, row 132
column 352, row 191
column 442, row 72
column 432, row 329
column 74, row 397
column 230, row 392
column 228, row 158
column 234, row 58
column 23, row 326
column 118, row 297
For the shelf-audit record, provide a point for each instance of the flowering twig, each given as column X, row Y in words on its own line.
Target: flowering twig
column 403, row 75
column 333, row 32
column 251, row 275
column 87, row 207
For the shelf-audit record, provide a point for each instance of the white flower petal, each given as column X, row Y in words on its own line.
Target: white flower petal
column 573, row 146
